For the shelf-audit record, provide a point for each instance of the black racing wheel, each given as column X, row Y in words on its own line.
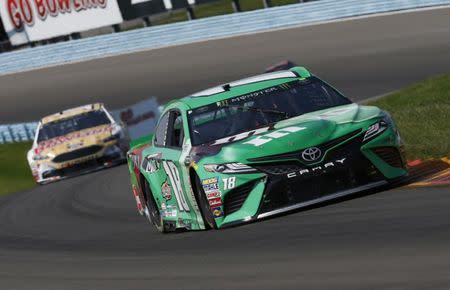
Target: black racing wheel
column 203, row 205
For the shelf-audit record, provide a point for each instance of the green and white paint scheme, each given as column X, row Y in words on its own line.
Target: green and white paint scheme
column 257, row 147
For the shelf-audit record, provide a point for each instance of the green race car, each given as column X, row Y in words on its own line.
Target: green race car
column 258, row 147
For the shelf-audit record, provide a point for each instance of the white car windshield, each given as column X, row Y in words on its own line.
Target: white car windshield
column 76, row 123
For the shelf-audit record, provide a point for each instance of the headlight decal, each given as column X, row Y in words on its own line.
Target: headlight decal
column 375, row 129
column 229, row 168
column 40, row 157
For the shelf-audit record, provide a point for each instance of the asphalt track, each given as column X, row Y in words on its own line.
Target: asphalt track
column 84, row 232
column 363, row 58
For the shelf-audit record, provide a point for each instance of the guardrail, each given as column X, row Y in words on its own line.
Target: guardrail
column 17, row 132
column 200, row 30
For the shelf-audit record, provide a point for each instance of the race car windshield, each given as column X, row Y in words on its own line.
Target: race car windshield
column 261, row 108
column 73, row 124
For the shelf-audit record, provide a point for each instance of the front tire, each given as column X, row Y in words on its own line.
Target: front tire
column 152, row 212
column 203, row 205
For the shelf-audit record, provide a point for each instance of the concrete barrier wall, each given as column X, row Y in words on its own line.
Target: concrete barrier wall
column 200, row 30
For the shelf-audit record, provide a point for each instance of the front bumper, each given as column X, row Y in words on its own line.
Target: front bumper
column 297, row 206
column 288, row 186
column 47, row 173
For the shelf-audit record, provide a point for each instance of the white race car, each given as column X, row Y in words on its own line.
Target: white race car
column 76, row 141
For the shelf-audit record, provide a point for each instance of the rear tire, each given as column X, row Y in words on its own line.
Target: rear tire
column 203, row 204
column 152, row 213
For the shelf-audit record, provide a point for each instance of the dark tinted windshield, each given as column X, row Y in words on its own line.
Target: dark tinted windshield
column 76, row 123
column 260, row 108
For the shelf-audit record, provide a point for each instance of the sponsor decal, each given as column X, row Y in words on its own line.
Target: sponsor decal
column 75, row 146
column 217, row 212
column 166, row 191
column 63, row 139
column 266, row 138
column 240, row 136
column 252, row 95
column 215, row 202
column 211, row 187
column 311, row 154
column 210, row 184
column 210, row 180
column 317, row 169
column 151, row 163
column 214, row 194
column 169, row 213
column 221, row 103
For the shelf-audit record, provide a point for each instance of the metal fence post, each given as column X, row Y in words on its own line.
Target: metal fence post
column 267, row 3
column 236, row 6
column 190, row 13
column 116, row 27
column 147, row 21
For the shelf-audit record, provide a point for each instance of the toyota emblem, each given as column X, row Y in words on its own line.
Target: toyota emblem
column 311, row 154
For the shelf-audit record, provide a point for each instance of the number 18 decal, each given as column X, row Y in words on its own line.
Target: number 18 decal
column 229, row 183
column 174, row 176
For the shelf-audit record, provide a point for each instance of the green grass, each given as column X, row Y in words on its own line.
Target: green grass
column 172, row 17
column 15, row 175
column 284, row 2
column 422, row 113
column 249, row 5
column 216, row 8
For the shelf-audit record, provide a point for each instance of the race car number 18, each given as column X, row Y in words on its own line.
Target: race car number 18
column 229, row 183
column 174, row 177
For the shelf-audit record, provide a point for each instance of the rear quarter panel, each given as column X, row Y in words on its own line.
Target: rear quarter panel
column 134, row 161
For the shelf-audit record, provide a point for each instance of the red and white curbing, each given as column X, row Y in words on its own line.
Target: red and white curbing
column 429, row 172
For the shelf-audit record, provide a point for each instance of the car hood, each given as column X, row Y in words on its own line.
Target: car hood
column 297, row 133
column 74, row 140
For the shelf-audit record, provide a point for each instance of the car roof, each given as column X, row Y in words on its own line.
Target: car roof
column 71, row 112
column 240, row 87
